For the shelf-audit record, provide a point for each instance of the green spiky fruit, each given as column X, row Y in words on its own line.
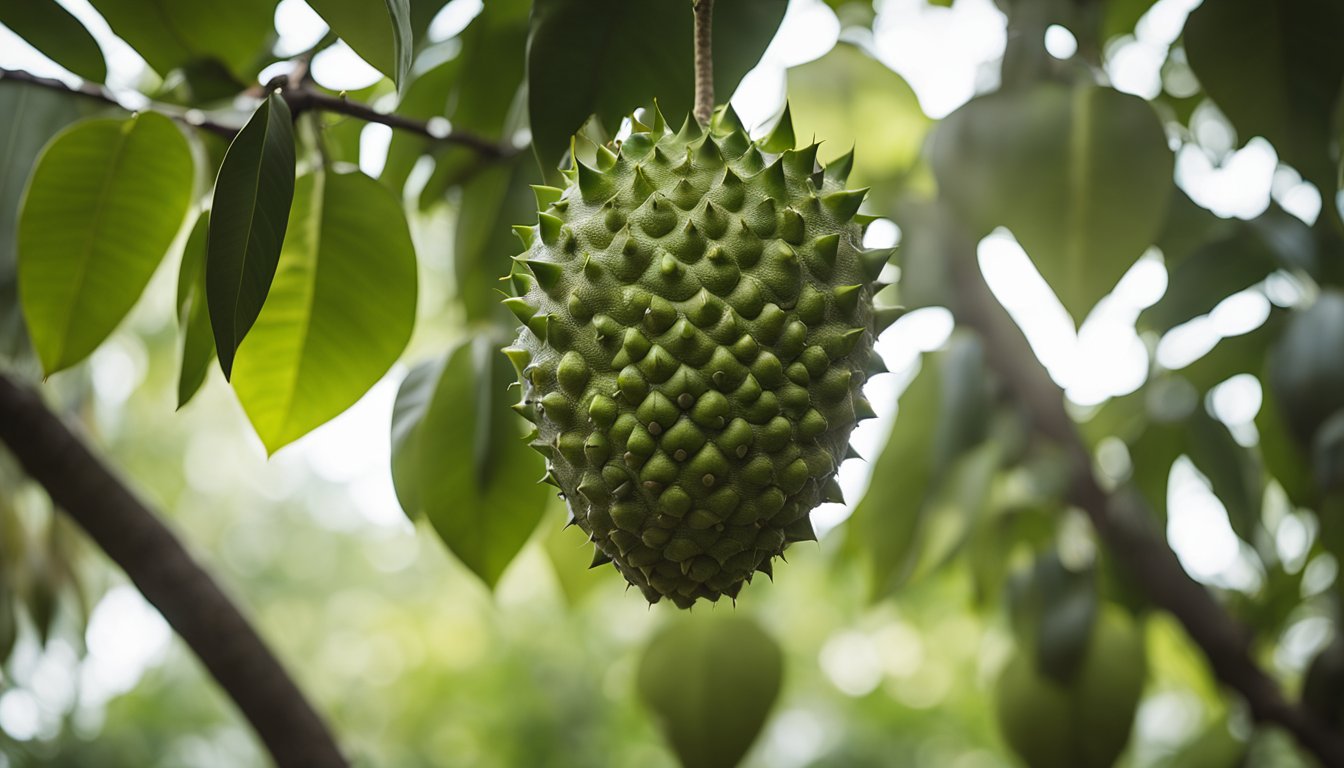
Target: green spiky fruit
column 697, row 326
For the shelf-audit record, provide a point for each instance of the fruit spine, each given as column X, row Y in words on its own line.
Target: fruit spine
column 697, row 325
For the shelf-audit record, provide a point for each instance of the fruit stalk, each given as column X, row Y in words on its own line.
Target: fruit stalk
column 704, row 60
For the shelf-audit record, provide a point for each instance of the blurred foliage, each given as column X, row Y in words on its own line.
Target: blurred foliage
column 962, row 590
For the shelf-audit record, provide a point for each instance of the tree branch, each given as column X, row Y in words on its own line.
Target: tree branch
column 300, row 99
column 704, row 60
column 1122, row 524
column 90, row 493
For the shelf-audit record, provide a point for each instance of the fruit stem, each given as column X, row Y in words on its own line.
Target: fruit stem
column 704, row 60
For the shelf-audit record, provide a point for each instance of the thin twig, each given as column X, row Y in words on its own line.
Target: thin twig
column 92, row 494
column 300, row 99
column 704, row 60
column 1129, row 537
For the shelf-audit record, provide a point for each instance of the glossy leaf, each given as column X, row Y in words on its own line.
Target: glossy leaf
column 408, row 412
column 1081, row 175
column 610, row 56
column 465, row 466
column 104, row 203
column 54, row 31
column 848, row 100
column 710, row 680
column 378, row 30
column 171, row 35
column 339, row 312
column 29, row 116
column 1275, row 70
column 252, row 197
column 193, row 318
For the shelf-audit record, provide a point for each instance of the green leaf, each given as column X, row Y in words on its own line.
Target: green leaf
column 1233, row 471
column 492, row 201
column 1306, row 367
column 29, row 116
column 250, row 211
column 851, row 100
column 378, row 30
column 339, row 312
column 468, row 469
column 412, row 403
column 571, row 554
column 1151, row 455
column 885, row 522
column 710, row 681
column 104, row 203
column 1275, row 70
column 610, row 56
column 426, row 96
column 198, row 343
column 1283, row 457
column 943, row 413
column 1243, row 256
column 171, row 35
column 51, row 29
column 1081, row 175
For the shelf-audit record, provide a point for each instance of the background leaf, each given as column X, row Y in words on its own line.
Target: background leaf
column 1275, row 70
column 339, row 312
column 408, row 412
column 104, row 203
column 610, row 56
column 193, row 318
column 253, row 193
column 378, row 30
column 710, row 680
column 1081, row 175
column 51, row 29
column 29, row 115
column 1306, row 366
column 477, row 478
column 171, row 35
column 847, row 99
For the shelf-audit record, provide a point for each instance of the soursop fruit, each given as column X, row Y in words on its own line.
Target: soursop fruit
column 698, row 323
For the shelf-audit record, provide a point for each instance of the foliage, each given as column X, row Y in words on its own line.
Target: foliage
column 221, row 221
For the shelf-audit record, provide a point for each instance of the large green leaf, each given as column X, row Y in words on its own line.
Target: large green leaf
column 847, row 99
column 461, row 461
column 1275, row 70
column 339, row 312
column 104, row 203
column 710, row 680
column 55, row 32
column 1081, row 175
column 170, row 35
column 412, row 403
column 378, row 30
column 29, row 116
column 193, row 318
column 252, row 196
column 610, row 56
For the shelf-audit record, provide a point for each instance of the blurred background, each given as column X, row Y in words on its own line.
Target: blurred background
column 417, row 662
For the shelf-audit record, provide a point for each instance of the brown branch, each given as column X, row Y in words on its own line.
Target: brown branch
column 704, row 60
column 1122, row 524
column 300, row 99
column 134, row 537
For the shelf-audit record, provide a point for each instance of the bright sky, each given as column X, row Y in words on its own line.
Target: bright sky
column 945, row 54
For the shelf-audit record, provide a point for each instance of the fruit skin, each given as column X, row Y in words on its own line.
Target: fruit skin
column 697, row 327
column 1086, row 723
